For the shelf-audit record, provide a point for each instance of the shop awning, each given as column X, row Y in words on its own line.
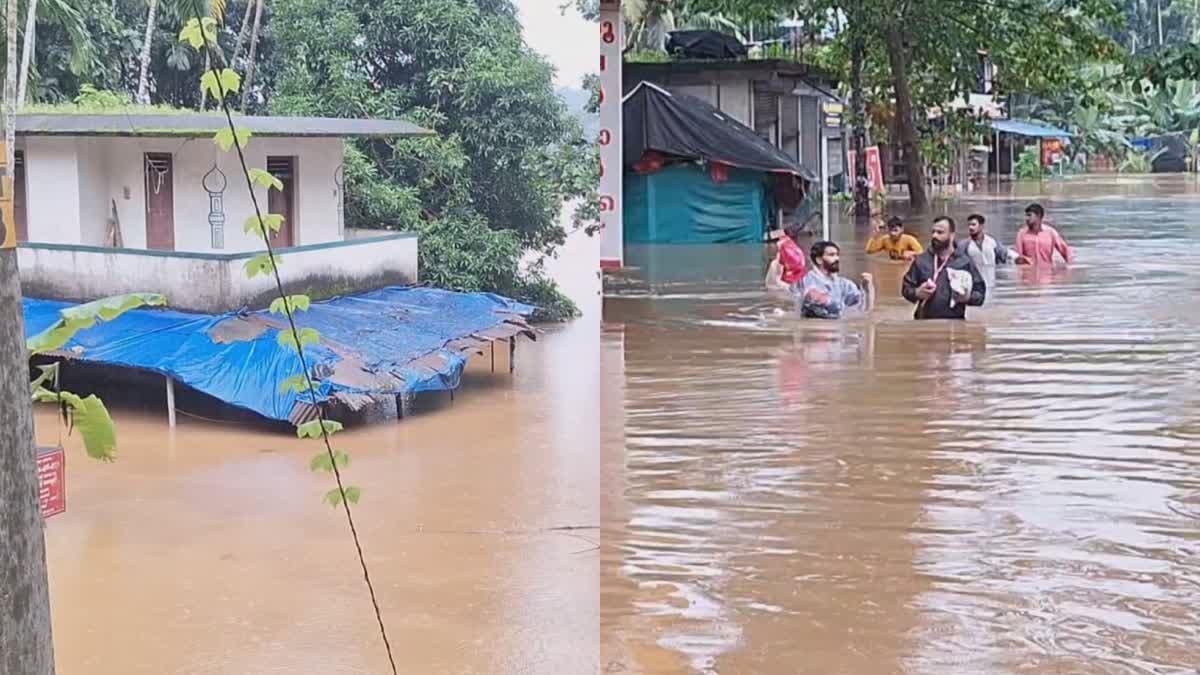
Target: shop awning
column 1024, row 128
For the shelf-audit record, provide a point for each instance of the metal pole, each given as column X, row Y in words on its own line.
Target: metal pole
column 824, row 184
column 512, row 355
column 170, row 403
column 493, row 356
column 1012, row 160
column 997, row 159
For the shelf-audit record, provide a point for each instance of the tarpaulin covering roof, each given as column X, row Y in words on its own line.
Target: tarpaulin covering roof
column 1034, row 129
column 704, row 44
column 687, row 127
column 392, row 341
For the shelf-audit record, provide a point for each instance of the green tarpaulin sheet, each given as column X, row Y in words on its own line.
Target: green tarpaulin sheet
column 682, row 204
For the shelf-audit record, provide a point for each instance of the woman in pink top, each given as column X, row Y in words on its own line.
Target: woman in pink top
column 1038, row 242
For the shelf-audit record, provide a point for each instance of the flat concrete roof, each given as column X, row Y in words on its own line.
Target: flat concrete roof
column 203, row 124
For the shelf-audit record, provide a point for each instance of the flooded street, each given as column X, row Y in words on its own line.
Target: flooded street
column 1017, row 494
column 209, row 550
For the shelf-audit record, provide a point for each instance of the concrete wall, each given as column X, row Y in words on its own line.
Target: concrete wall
column 52, row 190
column 72, row 182
column 209, row 282
column 735, row 94
column 95, row 205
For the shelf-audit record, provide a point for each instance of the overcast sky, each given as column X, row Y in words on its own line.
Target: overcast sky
column 567, row 41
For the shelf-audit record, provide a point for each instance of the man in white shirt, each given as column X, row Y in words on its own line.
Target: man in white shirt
column 986, row 252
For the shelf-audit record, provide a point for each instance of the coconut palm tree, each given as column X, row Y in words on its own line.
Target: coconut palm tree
column 65, row 14
column 246, row 88
column 143, row 90
column 182, row 9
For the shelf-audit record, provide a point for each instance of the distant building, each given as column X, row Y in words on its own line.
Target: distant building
column 780, row 100
column 115, row 203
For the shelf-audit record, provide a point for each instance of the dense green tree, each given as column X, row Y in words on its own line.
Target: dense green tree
column 928, row 49
column 491, row 184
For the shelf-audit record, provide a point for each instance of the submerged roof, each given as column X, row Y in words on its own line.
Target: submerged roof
column 203, row 124
column 375, row 345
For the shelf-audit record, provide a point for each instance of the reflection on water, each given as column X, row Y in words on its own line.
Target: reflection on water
column 1019, row 493
column 208, row 550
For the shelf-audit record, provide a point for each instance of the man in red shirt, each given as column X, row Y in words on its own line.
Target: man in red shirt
column 1039, row 241
column 790, row 263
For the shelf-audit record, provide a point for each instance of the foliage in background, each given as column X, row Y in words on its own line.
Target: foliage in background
column 1029, row 163
column 489, row 187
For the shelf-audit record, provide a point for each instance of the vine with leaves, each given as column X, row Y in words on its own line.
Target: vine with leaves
column 221, row 83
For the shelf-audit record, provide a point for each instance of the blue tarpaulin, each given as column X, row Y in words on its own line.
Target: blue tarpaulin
column 392, row 341
column 1029, row 128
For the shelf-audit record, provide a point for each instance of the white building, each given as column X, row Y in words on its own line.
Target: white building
column 148, row 202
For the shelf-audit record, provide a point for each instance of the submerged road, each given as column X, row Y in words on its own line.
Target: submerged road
column 1020, row 493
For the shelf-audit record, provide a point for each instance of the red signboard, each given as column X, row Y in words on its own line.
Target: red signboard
column 874, row 168
column 52, row 480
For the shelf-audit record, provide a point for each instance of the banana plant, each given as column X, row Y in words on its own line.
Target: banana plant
column 85, row 413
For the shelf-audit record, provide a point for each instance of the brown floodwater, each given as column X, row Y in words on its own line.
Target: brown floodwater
column 1019, row 493
column 208, row 550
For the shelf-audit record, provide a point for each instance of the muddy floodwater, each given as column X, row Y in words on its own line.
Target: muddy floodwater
column 1015, row 494
column 208, row 550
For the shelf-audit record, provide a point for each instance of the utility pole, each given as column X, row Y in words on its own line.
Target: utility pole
column 26, row 646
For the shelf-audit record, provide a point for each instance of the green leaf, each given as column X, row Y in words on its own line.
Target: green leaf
column 80, row 317
column 221, row 83
column 308, row 336
column 95, row 426
column 313, row 429
column 334, row 497
column 259, row 264
column 353, row 494
column 273, row 221
column 194, row 32
column 297, row 303
column 265, row 179
column 225, row 138
column 296, row 383
column 321, row 461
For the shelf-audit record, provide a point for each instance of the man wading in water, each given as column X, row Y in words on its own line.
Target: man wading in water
column 1039, row 241
column 983, row 250
column 943, row 281
column 824, row 294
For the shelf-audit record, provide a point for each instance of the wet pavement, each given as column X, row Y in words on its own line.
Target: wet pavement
column 1019, row 493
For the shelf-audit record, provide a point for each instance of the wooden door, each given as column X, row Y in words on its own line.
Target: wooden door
column 283, row 202
column 160, row 201
column 19, row 209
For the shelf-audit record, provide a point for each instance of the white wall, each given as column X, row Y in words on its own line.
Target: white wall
column 735, row 99
column 215, row 282
column 52, row 189
column 72, row 180
column 95, row 204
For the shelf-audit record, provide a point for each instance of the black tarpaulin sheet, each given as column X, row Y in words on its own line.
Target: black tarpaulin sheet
column 688, row 128
column 704, row 44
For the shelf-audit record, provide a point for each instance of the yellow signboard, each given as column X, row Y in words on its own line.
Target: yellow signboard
column 8, row 226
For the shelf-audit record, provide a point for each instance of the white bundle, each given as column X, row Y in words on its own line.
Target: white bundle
column 960, row 283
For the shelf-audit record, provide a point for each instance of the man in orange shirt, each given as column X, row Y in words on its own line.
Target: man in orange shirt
column 1038, row 241
column 893, row 241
